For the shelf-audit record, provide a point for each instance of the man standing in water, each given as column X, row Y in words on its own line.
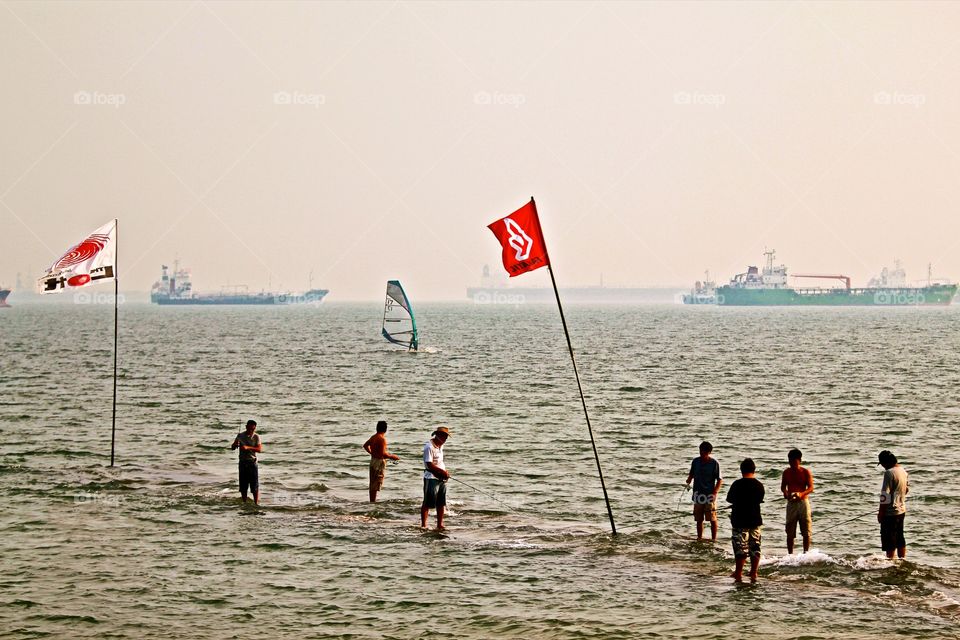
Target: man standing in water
column 249, row 445
column 376, row 446
column 796, row 484
column 745, row 495
column 893, row 507
column 435, row 477
column 705, row 472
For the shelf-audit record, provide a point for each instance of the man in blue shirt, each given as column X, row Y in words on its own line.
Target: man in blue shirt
column 705, row 474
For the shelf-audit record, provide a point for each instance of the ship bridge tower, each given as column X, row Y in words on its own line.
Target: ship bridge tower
column 774, row 277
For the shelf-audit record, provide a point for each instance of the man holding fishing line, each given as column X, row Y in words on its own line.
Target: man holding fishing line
column 249, row 445
column 705, row 472
column 893, row 507
column 435, row 477
column 376, row 446
column 795, row 485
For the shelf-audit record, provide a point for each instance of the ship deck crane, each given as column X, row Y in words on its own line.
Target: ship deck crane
column 846, row 279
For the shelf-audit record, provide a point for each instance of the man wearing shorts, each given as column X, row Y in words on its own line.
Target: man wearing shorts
column 376, row 446
column 705, row 473
column 249, row 445
column 893, row 506
column 435, row 477
column 745, row 496
column 796, row 484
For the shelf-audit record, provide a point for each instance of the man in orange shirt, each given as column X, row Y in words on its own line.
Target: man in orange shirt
column 796, row 484
column 376, row 446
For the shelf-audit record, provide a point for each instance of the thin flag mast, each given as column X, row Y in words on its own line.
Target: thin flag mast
column 92, row 260
column 519, row 233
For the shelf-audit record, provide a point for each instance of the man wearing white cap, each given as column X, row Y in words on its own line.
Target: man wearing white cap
column 435, row 477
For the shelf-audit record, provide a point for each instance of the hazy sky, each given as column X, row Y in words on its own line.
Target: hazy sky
column 366, row 141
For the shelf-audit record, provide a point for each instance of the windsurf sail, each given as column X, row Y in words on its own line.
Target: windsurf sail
column 399, row 325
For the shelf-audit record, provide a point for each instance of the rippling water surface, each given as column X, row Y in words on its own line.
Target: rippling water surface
column 160, row 547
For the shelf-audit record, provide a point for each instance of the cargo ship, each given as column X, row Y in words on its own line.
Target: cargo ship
column 176, row 288
column 770, row 287
column 4, row 292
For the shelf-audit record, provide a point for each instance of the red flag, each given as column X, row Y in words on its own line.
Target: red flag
column 522, row 240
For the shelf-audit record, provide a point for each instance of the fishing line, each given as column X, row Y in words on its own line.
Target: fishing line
column 677, row 511
column 834, row 526
column 489, row 495
column 481, row 491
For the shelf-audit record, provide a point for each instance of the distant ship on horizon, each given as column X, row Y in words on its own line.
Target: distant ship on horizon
column 4, row 292
column 177, row 289
column 494, row 290
column 769, row 287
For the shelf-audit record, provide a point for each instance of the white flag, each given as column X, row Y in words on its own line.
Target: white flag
column 93, row 260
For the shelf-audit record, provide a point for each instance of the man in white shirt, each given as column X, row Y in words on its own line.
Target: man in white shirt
column 435, row 477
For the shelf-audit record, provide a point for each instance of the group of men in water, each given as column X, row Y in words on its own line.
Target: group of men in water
column 435, row 475
column 796, row 485
column 745, row 494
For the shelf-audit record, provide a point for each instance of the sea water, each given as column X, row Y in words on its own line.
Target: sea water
column 160, row 546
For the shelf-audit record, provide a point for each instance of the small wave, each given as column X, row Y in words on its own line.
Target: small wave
column 810, row 558
column 632, row 389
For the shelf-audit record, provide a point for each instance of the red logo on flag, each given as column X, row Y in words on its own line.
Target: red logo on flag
column 522, row 240
column 82, row 252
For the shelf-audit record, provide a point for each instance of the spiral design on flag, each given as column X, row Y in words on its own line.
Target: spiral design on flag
column 82, row 252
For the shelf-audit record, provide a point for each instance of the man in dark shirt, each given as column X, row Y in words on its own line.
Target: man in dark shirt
column 249, row 445
column 745, row 496
column 705, row 475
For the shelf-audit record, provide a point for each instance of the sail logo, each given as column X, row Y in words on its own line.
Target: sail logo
column 518, row 239
column 83, row 251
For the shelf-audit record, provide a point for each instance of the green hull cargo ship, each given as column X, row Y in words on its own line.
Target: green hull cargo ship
column 770, row 288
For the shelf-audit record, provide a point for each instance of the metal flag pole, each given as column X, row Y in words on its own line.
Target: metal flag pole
column 576, row 372
column 116, row 316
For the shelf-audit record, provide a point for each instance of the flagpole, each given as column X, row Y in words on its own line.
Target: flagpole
column 576, row 372
column 116, row 316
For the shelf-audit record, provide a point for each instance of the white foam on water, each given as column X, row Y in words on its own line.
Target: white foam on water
column 872, row 562
column 810, row 558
